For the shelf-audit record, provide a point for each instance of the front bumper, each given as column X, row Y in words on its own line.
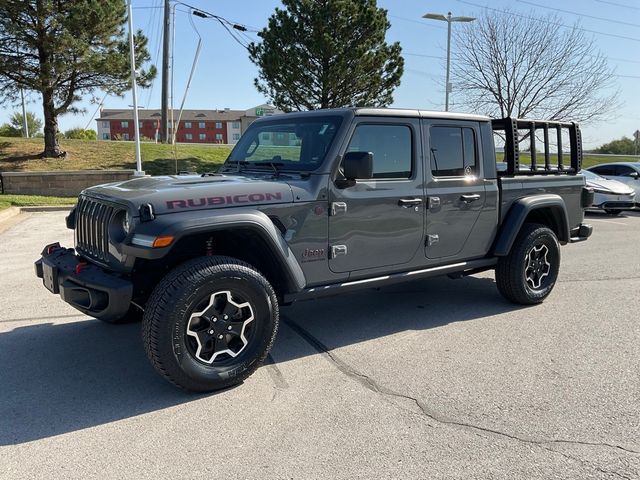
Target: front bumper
column 83, row 285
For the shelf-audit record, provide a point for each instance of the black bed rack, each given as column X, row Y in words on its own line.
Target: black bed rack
column 510, row 126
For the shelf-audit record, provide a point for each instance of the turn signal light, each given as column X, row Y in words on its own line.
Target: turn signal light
column 160, row 242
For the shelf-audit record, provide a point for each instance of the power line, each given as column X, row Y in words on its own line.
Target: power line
column 557, row 24
column 423, row 55
column 619, row 22
column 618, row 4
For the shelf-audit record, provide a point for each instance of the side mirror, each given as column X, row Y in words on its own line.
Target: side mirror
column 635, row 175
column 358, row 165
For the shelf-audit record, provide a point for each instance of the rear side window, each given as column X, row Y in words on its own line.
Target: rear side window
column 390, row 145
column 453, row 152
column 624, row 170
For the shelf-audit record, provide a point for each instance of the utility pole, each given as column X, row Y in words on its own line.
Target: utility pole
column 164, row 118
column 636, row 136
column 25, row 125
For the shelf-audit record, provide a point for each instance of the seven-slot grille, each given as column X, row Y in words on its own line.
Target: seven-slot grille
column 92, row 227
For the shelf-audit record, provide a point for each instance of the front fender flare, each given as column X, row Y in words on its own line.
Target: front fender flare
column 517, row 214
column 183, row 224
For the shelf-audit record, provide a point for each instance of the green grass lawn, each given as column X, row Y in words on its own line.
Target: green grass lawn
column 7, row 201
column 21, row 154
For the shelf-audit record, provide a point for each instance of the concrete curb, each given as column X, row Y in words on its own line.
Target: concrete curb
column 8, row 213
column 47, row 208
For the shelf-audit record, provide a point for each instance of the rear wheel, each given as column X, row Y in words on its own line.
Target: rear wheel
column 210, row 323
column 529, row 272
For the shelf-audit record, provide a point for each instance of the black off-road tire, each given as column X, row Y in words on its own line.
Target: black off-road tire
column 180, row 296
column 615, row 213
column 514, row 280
column 134, row 314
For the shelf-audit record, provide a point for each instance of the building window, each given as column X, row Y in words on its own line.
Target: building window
column 236, row 136
column 235, row 125
column 188, row 136
column 390, row 145
column 201, row 125
column 125, row 136
column 203, row 136
column 219, row 136
column 218, row 124
column 105, row 124
column 105, row 136
column 124, row 124
column 141, row 124
column 187, row 124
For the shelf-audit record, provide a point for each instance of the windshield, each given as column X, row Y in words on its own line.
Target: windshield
column 590, row 175
column 294, row 144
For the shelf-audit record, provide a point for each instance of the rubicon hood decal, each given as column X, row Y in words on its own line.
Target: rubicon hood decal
column 178, row 193
column 251, row 198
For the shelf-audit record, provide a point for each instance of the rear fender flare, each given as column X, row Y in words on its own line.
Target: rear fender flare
column 552, row 205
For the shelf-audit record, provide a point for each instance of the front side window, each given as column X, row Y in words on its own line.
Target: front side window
column 624, row 171
column 299, row 144
column 453, row 152
column 604, row 170
column 391, row 148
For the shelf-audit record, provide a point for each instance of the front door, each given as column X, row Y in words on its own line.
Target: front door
column 455, row 186
column 379, row 222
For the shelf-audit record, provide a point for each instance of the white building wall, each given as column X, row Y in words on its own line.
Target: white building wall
column 104, row 131
column 233, row 131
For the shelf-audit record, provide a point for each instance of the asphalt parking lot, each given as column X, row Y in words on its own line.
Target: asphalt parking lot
column 435, row 379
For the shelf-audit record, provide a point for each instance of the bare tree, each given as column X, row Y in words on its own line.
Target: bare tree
column 508, row 64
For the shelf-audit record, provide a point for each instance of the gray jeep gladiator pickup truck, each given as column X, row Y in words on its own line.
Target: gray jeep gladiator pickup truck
column 312, row 204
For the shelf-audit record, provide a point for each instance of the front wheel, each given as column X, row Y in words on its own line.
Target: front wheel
column 530, row 270
column 210, row 323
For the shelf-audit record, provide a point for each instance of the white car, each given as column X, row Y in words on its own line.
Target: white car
column 625, row 172
column 609, row 195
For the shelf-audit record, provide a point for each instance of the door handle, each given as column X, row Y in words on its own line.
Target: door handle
column 409, row 202
column 470, row 198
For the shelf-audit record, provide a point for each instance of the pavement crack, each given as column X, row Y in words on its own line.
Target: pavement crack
column 372, row 385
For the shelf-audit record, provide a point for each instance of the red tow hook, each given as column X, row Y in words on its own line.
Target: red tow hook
column 80, row 266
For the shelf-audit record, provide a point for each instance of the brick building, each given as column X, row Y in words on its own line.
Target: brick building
column 196, row 126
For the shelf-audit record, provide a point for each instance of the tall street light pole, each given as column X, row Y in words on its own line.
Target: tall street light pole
column 449, row 19
column 134, row 88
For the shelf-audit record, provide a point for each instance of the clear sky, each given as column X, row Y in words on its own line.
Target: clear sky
column 224, row 75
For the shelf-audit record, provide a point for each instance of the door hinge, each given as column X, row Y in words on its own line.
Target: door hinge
column 338, row 207
column 433, row 202
column 432, row 240
column 337, row 250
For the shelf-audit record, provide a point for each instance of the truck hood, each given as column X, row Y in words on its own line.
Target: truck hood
column 169, row 194
column 613, row 186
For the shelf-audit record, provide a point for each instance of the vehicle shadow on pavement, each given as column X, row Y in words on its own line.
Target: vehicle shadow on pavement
column 66, row 377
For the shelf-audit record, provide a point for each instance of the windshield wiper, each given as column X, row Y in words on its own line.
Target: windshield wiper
column 237, row 163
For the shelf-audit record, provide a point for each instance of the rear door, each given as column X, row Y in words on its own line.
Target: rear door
column 455, row 186
column 379, row 222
